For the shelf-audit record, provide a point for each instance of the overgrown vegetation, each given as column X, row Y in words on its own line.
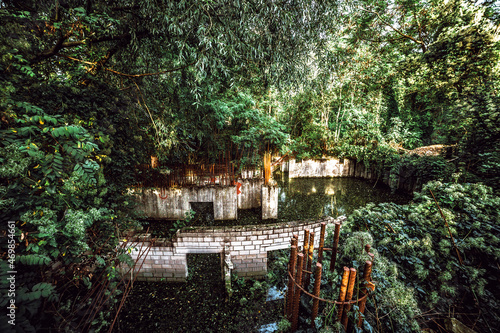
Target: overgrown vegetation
column 90, row 90
column 391, row 308
column 451, row 270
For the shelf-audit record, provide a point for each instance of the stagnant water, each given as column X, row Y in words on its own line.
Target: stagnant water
column 201, row 303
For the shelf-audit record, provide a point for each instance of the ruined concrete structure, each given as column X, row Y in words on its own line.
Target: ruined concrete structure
column 247, row 245
column 404, row 180
column 174, row 203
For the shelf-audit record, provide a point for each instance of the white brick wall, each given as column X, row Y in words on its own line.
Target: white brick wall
column 248, row 246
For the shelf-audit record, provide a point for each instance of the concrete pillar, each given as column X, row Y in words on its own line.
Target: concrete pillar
column 269, row 202
column 225, row 203
column 291, row 168
column 227, row 266
column 284, row 166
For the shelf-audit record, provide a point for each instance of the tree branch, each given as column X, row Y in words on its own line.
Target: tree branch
column 54, row 49
column 61, row 43
column 397, row 30
column 149, row 74
column 125, row 74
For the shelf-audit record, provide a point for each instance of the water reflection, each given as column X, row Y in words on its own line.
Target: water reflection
column 298, row 199
column 307, row 198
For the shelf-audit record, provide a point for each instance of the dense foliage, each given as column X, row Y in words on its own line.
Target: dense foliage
column 449, row 260
column 90, row 90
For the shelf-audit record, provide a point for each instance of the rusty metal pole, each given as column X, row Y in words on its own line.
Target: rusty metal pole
column 310, row 254
column 305, row 250
column 343, row 291
column 367, row 276
column 335, row 247
column 291, row 270
column 350, row 291
column 321, row 242
column 317, row 286
column 296, row 293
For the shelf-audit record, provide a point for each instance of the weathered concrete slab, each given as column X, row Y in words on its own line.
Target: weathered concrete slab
column 249, row 193
column 225, row 203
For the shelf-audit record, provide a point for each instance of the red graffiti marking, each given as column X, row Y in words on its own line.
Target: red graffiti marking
column 163, row 194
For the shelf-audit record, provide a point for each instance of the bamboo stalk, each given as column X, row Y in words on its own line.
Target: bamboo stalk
column 267, row 167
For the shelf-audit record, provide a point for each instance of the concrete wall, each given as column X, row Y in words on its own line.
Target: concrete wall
column 174, row 203
column 225, row 203
column 248, row 248
column 249, row 195
column 328, row 167
column 331, row 167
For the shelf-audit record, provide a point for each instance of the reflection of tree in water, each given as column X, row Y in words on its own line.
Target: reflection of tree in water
column 316, row 197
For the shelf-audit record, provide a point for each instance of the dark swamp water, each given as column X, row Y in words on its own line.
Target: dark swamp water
column 201, row 304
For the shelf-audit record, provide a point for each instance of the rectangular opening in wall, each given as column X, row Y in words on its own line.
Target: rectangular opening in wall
column 205, row 268
column 277, row 262
column 341, row 161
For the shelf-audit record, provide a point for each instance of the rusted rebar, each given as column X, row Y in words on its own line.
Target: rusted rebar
column 310, row 253
column 317, row 286
column 296, row 293
column 290, row 289
column 321, row 242
column 366, row 278
column 335, row 247
column 350, row 291
column 305, row 250
column 343, row 291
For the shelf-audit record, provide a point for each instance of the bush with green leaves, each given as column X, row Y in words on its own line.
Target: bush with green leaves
column 52, row 184
column 417, row 238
